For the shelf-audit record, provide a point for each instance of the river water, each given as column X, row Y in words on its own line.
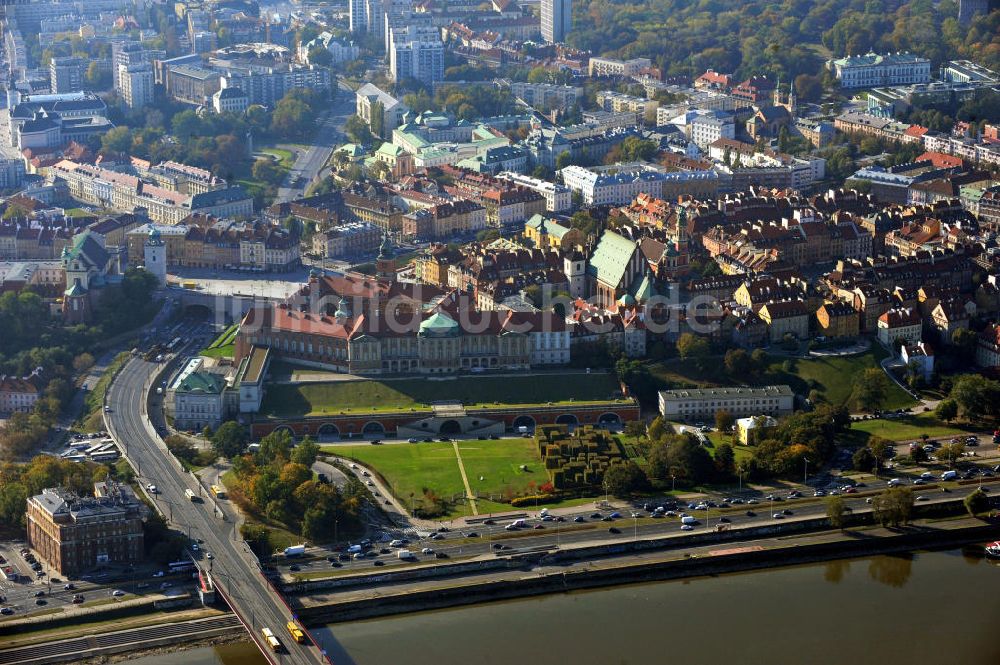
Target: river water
column 941, row 607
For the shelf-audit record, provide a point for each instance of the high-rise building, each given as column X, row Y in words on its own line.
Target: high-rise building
column 970, row 9
column 557, row 19
column 416, row 51
column 126, row 53
column 135, row 84
column 359, row 16
column 66, row 75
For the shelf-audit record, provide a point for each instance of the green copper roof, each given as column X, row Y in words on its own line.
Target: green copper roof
column 553, row 228
column 202, row 382
column 75, row 291
column 611, row 258
column 438, row 325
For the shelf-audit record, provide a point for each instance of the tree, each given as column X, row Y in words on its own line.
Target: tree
column 976, row 395
column 894, row 506
column 305, row 452
column 725, row 461
column 918, row 455
column 357, row 130
column 274, row 446
column 83, row 362
column 950, row 452
column 318, row 55
column 635, row 429
column 977, row 502
column 265, row 170
column 117, row 139
column 871, row 388
column 835, row 510
column 622, row 480
column 946, row 410
column 738, row 363
column 657, row 429
column 863, row 459
column 724, row 421
column 964, row 343
column 691, row 346
column 230, row 439
column 880, row 449
column 760, row 360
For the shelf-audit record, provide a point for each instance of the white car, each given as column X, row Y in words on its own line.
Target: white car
column 158, row 573
column 427, row 550
column 117, row 593
column 152, row 489
column 687, row 527
column 208, row 555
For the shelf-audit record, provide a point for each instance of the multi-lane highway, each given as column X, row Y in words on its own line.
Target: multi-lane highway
column 233, row 568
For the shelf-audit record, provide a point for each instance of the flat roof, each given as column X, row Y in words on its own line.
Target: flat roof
column 704, row 393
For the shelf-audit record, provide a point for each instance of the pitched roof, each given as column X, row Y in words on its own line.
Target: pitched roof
column 611, row 258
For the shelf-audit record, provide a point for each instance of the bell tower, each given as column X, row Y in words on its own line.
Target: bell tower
column 385, row 264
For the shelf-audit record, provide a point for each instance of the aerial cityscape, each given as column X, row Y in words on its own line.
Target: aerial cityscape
column 328, row 325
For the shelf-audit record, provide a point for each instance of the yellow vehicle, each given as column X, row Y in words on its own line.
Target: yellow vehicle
column 296, row 632
column 218, row 492
column 189, row 285
column 271, row 640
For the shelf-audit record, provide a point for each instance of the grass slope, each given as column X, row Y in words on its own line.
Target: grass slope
column 832, row 377
column 907, row 428
column 312, row 399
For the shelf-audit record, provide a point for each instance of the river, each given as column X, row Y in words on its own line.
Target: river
column 886, row 609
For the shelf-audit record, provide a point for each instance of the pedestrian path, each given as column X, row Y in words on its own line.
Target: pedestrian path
column 465, row 480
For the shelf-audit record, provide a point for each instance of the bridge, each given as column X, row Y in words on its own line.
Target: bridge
column 234, row 571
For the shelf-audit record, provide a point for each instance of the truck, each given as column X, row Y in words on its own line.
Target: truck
column 405, row 555
column 189, row 493
column 295, row 550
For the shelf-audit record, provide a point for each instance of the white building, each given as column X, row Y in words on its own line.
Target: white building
column 899, row 323
column 622, row 187
column 612, row 67
column 557, row 20
column 546, row 95
column 557, row 197
column 381, row 111
column 197, row 398
column 703, row 403
column 230, row 100
column 873, row 70
column 416, row 51
column 135, row 85
column 710, row 127
column 358, row 16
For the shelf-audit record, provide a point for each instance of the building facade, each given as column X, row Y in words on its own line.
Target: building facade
column 703, row 403
column 557, row 20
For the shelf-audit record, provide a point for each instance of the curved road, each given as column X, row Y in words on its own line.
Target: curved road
column 234, row 569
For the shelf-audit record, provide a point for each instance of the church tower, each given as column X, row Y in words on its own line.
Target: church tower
column 154, row 252
column 385, row 264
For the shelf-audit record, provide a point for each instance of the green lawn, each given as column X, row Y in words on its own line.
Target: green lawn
column 223, row 346
column 285, row 157
column 832, row 377
column 313, row 399
column 907, row 427
column 93, row 401
column 410, row 468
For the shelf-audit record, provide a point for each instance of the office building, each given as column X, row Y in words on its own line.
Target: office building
column 557, row 19
column 75, row 533
column 66, row 75
column 358, row 16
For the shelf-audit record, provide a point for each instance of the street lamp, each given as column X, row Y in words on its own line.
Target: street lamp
column 805, row 473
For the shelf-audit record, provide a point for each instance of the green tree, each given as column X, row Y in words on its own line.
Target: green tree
column 273, row 447
column 724, row 421
column 976, row 395
column 880, row 449
column 725, row 461
column 318, row 55
column 977, row 502
column 657, row 429
column 622, row 480
column 893, row 506
column 946, row 410
column 951, row 452
column 230, row 439
column 835, row 510
column 871, row 389
column 738, row 363
column 117, row 139
column 305, row 452
column 863, row 459
column 692, row 347
column 265, row 170
column 357, row 130
column 918, row 455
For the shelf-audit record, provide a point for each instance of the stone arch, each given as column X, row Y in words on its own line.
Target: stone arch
column 610, row 419
column 373, row 428
column 450, row 427
column 524, row 421
column 285, row 428
column 328, row 430
column 567, row 419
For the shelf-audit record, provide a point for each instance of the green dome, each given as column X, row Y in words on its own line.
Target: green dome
column 438, row 325
column 627, row 300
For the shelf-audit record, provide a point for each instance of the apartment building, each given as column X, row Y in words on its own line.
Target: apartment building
column 695, row 403
column 346, row 240
column 873, row 70
column 416, row 51
column 547, row 95
column 613, row 67
column 557, row 20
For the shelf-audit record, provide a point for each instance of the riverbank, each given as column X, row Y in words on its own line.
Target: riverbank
column 547, row 573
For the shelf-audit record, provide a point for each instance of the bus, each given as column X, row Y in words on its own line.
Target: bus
column 296, row 632
column 189, row 493
column 218, row 492
column 172, row 346
column 104, row 456
column 271, row 640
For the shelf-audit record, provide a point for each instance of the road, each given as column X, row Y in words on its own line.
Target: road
column 309, row 163
column 234, row 568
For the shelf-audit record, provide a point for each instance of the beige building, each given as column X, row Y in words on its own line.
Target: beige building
column 703, row 403
column 786, row 317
